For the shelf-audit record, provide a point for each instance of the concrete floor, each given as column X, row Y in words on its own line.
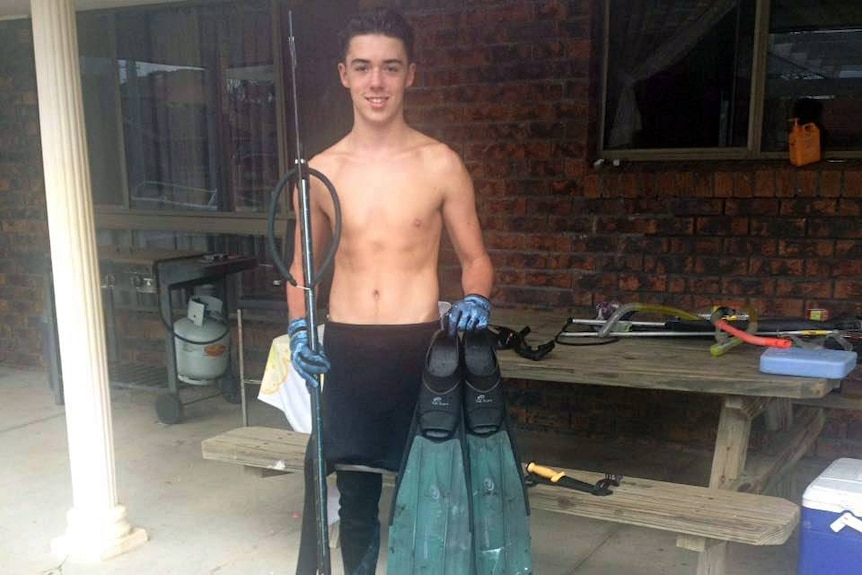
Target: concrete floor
column 205, row 517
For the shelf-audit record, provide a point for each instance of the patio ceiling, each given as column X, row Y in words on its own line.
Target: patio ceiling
column 10, row 9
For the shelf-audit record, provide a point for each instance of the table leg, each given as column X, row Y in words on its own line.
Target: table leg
column 731, row 450
column 712, row 554
column 731, row 441
column 779, row 415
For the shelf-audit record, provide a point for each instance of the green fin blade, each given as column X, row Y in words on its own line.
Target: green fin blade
column 429, row 532
column 501, row 514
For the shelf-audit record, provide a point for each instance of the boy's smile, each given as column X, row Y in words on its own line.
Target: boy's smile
column 377, row 73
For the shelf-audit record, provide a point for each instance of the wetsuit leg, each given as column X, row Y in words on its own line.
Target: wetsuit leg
column 306, row 564
column 359, row 516
column 360, row 523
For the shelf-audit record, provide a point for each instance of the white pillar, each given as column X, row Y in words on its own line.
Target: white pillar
column 96, row 524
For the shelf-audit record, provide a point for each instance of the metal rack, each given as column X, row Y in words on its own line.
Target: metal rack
column 162, row 273
column 272, row 306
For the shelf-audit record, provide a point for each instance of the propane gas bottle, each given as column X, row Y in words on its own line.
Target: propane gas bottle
column 202, row 341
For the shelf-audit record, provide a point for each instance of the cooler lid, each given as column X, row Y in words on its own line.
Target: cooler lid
column 837, row 489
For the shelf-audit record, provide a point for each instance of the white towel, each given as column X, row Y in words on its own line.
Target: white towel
column 284, row 389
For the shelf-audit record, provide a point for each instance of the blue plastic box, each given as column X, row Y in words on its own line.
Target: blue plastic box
column 829, row 363
column 830, row 540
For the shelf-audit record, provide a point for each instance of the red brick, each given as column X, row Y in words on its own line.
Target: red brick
column 848, row 249
column 503, row 240
column 786, row 289
column 826, row 207
column 544, row 206
column 676, row 285
column 848, row 289
column 750, row 246
column 724, row 184
column 685, row 182
column 807, row 183
column 806, row 248
column 764, row 184
column 778, row 227
column 834, row 227
column 548, row 49
column 779, row 307
column 723, row 266
column 574, row 168
column 830, row 184
column 833, row 448
column 850, row 207
column 551, row 10
column 721, row 226
column 785, row 182
column 562, row 279
column 666, row 184
column 819, row 268
column 853, row 184
column 744, row 185
column 752, row 207
column 509, row 13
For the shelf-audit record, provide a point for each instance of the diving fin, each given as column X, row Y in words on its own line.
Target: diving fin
column 500, row 508
column 429, row 527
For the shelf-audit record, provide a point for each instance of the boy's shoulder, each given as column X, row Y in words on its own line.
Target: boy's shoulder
column 436, row 153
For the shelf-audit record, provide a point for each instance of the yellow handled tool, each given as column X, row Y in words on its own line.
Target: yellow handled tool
column 551, row 475
column 540, row 474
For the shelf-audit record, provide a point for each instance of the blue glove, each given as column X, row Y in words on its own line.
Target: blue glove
column 306, row 363
column 469, row 314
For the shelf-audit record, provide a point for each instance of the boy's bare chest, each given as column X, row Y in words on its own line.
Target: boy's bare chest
column 388, row 201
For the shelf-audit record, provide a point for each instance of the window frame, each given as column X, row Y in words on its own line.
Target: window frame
column 752, row 151
column 124, row 218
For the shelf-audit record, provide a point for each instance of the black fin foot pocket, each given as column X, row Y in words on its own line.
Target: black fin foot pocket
column 484, row 402
column 439, row 404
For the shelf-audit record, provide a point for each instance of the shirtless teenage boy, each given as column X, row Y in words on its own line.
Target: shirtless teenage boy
column 398, row 190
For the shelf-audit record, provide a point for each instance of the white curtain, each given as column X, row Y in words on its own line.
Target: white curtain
column 652, row 36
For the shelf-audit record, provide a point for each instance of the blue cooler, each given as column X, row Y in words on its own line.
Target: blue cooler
column 830, row 541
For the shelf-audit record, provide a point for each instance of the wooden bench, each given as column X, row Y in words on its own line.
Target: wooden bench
column 701, row 517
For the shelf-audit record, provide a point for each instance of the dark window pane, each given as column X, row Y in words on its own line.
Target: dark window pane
column 679, row 73
column 166, row 88
column 325, row 109
column 814, row 72
column 101, row 108
column 249, row 101
column 193, row 94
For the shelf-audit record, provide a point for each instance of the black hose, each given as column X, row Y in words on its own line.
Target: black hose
column 270, row 236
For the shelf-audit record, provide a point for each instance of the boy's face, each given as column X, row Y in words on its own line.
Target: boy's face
column 377, row 73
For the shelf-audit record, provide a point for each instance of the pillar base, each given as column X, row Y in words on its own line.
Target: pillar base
column 92, row 537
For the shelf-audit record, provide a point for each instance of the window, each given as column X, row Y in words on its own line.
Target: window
column 181, row 107
column 188, row 129
column 814, row 72
column 724, row 78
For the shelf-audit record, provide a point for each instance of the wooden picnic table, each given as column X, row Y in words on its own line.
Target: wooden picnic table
column 704, row 519
column 685, row 365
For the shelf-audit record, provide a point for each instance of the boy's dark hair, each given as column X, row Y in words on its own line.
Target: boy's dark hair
column 385, row 21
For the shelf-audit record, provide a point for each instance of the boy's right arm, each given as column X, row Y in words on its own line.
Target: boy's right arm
column 306, row 362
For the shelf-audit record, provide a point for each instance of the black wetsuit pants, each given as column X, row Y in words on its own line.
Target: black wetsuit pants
column 359, row 516
column 368, row 400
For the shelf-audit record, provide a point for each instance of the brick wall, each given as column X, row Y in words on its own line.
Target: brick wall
column 512, row 86
column 24, row 247
column 515, row 91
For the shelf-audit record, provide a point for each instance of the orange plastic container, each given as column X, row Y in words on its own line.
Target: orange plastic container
column 804, row 143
